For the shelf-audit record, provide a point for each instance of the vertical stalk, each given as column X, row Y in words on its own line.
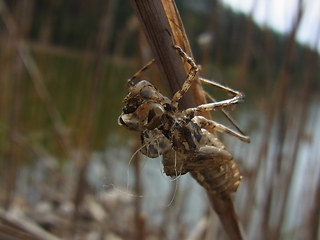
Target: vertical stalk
column 161, row 23
column 266, row 133
column 88, row 133
column 23, row 16
column 246, row 50
column 155, row 24
column 281, row 121
column 12, row 158
column 37, row 79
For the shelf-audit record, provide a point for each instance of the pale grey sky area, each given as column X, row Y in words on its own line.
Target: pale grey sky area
column 279, row 15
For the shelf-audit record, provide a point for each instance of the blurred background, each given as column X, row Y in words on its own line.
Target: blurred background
column 68, row 171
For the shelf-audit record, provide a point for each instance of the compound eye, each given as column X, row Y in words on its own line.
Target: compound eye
column 147, row 92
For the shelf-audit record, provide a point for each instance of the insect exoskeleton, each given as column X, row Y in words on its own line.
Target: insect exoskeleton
column 184, row 138
column 144, row 107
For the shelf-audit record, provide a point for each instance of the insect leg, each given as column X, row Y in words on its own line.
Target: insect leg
column 203, row 122
column 213, row 106
column 185, row 56
column 190, row 78
column 218, row 85
column 139, row 72
column 226, row 114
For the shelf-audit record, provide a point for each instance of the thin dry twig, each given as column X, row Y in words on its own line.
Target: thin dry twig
column 23, row 224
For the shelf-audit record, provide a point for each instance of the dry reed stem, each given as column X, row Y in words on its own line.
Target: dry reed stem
column 37, row 79
column 23, row 225
column 87, row 135
column 281, row 121
column 161, row 23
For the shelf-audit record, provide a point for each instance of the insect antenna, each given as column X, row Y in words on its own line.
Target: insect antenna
column 130, row 82
column 177, row 176
column 173, row 195
column 218, row 85
column 145, row 145
column 129, row 163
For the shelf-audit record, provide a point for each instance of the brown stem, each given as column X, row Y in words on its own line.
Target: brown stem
column 88, row 131
column 37, row 79
column 23, row 16
column 162, row 24
column 160, row 35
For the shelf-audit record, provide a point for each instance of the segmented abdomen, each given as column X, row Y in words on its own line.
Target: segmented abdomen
column 222, row 180
column 213, row 168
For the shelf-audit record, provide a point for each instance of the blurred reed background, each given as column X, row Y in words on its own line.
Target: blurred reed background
column 65, row 170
